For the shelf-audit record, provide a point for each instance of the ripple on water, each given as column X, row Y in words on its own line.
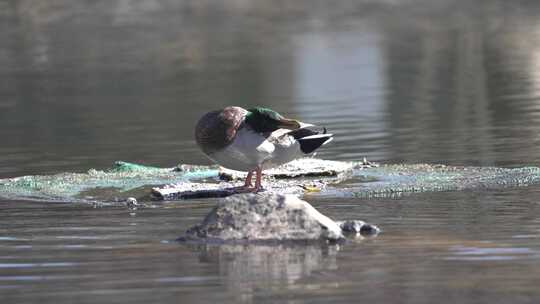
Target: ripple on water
column 34, row 278
column 32, row 265
column 526, row 236
column 22, row 278
column 463, row 253
column 11, row 238
column 188, row 279
column 81, row 237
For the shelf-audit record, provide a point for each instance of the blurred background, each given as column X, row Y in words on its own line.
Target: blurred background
column 85, row 83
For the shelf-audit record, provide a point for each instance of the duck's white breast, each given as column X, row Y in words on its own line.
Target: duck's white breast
column 250, row 149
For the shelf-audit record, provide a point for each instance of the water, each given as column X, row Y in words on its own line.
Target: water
column 86, row 83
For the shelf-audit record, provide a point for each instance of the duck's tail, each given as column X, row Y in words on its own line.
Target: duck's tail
column 310, row 140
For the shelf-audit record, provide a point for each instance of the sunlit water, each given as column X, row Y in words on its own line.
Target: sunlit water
column 86, row 83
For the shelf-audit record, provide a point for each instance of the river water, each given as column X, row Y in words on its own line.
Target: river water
column 86, row 83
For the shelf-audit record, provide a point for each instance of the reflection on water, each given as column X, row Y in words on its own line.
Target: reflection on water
column 85, row 83
column 249, row 269
column 493, row 254
column 435, row 247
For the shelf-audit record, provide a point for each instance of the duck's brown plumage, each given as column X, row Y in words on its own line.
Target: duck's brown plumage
column 217, row 129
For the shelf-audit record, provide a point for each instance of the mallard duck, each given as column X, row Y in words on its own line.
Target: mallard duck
column 255, row 139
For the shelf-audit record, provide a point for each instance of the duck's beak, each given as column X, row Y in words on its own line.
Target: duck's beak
column 289, row 124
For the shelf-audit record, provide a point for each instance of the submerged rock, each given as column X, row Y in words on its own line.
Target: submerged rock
column 359, row 227
column 132, row 203
column 264, row 217
column 313, row 176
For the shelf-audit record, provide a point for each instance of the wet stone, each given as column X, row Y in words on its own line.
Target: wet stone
column 132, row 203
column 297, row 177
column 369, row 230
column 309, row 176
column 360, row 227
column 264, row 217
column 302, row 167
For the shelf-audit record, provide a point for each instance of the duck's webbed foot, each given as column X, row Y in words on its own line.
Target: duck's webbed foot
column 248, row 186
column 243, row 189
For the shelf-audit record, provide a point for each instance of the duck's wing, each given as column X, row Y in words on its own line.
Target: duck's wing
column 306, row 130
column 310, row 138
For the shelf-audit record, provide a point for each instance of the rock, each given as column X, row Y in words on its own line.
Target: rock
column 354, row 179
column 264, row 217
column 132, row 203
column 351, row 225
column 194, row 190
column 295, row 177
column 357, row 226
column 302, row 167
column 369, row 230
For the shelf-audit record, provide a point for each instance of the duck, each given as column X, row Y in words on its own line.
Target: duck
column 255, row 139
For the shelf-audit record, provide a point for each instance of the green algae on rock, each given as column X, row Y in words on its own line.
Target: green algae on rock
column 122, row 177
column 309, row 176
column 391, row 180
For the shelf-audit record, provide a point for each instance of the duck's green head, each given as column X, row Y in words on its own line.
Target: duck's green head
column 266, row 120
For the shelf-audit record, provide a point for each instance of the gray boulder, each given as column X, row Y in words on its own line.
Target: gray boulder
column 264, row 217
column 358, row 227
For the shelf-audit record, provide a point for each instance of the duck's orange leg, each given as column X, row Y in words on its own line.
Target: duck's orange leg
column 258, row 179
column 247, row 187
column 247, row 183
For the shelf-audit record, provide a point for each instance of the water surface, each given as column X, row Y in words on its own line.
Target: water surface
column 86, row 83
